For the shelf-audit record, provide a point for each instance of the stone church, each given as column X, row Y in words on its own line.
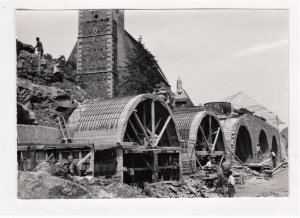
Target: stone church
column 102, row 51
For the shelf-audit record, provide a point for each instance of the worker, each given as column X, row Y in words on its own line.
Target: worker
column 220, row 183
column 131, row 175
column 39, row 47
column 72, row 167
column 273, row 157
column 231, row 184
column 146, row 189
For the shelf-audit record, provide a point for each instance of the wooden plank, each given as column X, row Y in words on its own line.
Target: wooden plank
column 147, row 163
column 278, row 171
column 216, row 138
column 157, row 124
column 198, row 163
column 278, row 167
column 141, row 126
column 235, row 156
column 86, row 157
column 200, row 127
column 162, row 131
column 48, row 158
column 135, row 132
column 203, row 153
column 221, row 160
column 128, row 137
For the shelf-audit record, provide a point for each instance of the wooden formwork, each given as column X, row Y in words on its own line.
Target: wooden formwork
column 202, row 134
column 142, row 125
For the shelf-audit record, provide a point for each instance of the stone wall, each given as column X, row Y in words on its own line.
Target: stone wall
column 97, row 52
column 254, row 125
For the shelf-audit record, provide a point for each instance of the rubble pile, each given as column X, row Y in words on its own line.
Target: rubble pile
column 268, row 194
column 191, row 188
column 50, row 181
column 42, row 185
column 45, row 87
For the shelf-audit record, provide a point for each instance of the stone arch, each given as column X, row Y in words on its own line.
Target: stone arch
column 263, row 142
column 243, row 144
column 274, row 145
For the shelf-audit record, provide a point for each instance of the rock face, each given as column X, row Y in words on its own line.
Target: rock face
column 21, row 46
column 40, row 102
column 44, row 89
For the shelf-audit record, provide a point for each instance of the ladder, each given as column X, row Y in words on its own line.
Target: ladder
column 64, row 130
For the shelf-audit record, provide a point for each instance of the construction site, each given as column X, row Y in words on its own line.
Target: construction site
column 78, row 111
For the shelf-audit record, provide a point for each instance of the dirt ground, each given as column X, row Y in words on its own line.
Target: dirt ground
column 277, row 186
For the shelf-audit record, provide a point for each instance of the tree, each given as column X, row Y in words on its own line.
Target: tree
column 141, row 74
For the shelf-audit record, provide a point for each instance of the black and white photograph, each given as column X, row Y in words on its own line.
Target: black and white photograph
column 152, row 103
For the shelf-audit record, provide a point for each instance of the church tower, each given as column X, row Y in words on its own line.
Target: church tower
column 97, row 51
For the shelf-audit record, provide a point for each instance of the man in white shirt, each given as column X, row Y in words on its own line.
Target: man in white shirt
column 231, row 184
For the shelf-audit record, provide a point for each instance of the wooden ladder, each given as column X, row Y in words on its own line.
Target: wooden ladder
column 64, row 130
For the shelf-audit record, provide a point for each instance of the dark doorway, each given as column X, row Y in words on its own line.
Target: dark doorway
column 274, row 145
column 263, row 142
column 243, row 148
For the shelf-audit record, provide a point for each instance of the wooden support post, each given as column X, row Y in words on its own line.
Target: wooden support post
column 210, row 131
column 135, row 132
column 60, row 160
column 92, row 161
column 141, row 126
column 120, row 163
column 80, row 154
column 153, row 119
column 162, row 131
column 193, row 150
column 155, row 167
column 180, row 168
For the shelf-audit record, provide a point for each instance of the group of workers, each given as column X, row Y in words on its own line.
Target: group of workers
column 225, row 181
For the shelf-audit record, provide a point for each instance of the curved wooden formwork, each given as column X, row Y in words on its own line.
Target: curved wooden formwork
column 144, row 127
column 202, row 134
column 144, row 119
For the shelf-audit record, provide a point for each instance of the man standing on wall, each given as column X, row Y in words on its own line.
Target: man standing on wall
column 39, row 47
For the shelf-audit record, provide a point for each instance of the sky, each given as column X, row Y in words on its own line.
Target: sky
column 216, row 53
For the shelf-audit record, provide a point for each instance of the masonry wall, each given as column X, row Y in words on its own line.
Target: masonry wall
column 254, row 125
column 97, row 52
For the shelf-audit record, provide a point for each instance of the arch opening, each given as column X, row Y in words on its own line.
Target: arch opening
column 243, row 148
column 210, row 131
column 160, row 129
column 262, row 143
column 274, row 145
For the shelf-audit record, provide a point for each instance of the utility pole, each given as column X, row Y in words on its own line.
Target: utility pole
column 277, row 119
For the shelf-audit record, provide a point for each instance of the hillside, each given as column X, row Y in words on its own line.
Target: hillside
column 46, row 87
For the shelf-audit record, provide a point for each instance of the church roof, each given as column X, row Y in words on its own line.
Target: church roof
column 134, row 44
